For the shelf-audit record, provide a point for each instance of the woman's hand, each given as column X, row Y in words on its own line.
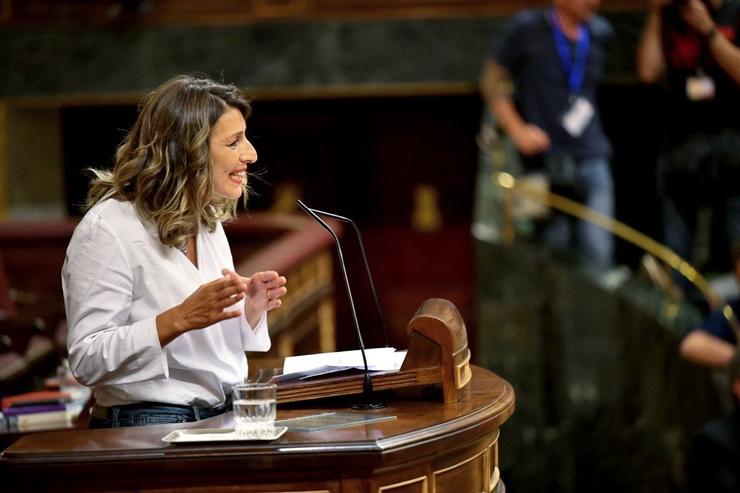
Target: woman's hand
column 263, row 292
column 206, row 306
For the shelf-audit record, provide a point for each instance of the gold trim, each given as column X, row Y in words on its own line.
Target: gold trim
column 423, row 479
column 463, row 373
column 455, row 466
column 495, row 477
column 509, row 183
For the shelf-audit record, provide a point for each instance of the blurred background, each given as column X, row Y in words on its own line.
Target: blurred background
column 370, row 109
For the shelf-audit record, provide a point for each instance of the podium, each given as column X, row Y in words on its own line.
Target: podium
column 438, row 354
column 432, row 445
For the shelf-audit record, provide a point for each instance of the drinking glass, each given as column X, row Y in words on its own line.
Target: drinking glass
column 254, row 409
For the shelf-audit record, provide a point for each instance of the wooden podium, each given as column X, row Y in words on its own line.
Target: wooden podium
column 433, row 445
column 438, row 354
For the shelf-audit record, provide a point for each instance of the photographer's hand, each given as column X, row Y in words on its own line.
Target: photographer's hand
column 724, row 51
column 651, row 63
column 696, row 15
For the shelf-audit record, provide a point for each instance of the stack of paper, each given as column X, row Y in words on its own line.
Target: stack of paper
column 313, row 365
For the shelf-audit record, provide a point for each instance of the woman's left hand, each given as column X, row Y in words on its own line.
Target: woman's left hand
column 263, row 293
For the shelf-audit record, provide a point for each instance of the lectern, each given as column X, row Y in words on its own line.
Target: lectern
column 438, row 354
column 434, row 444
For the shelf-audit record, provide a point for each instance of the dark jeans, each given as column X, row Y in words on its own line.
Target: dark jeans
column 151, row 413
column 591, row 178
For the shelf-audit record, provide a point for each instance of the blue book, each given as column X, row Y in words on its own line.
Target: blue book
column 42, row 408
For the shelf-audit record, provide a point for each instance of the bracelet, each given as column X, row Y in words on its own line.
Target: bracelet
column 711, row 34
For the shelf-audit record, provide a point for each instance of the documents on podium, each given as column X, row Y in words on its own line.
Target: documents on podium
column 438, row 354
column 320, row 364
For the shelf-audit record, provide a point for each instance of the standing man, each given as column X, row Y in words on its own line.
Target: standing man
column 692, row 46
column 540, row 84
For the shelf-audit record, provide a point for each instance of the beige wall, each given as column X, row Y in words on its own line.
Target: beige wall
column 31, row 163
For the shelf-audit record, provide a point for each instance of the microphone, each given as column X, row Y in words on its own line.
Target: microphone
column 367, row 385
column 367, row 266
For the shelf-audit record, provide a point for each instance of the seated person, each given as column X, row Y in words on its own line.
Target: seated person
column 713, row 462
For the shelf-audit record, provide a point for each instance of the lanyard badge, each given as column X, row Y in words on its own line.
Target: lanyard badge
column 581, row 111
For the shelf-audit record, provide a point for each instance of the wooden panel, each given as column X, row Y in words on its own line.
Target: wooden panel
column 247, row 11
column 467, row 475
column 419, row 484
column 33, row 155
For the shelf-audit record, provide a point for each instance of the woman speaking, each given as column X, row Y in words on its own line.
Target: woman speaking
column 159, row 320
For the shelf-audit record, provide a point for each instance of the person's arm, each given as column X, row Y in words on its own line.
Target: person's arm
column 727, row 54
column 496, row 87
column 651, row 62
column 702, row 348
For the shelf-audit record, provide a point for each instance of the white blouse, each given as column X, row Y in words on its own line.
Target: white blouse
column 117, row 277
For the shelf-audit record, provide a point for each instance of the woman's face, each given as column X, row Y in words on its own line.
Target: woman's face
column 231, row 153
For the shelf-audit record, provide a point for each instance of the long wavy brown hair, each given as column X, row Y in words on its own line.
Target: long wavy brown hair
column 163, row 166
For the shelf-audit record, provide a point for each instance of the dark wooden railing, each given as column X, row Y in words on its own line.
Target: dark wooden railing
column 230, row 12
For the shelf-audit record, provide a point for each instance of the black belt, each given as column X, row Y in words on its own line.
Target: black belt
column 101, row 412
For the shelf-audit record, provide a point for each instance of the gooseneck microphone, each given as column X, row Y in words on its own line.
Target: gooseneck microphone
column 367, row 385
column 367, row 266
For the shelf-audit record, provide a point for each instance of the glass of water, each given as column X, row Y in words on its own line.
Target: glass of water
column 254, row 409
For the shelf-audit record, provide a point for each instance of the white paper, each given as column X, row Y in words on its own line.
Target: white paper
column 378, row 359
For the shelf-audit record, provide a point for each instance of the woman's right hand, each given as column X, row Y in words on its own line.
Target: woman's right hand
column 205, row 307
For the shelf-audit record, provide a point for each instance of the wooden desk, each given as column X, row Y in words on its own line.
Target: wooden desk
column 432, row 447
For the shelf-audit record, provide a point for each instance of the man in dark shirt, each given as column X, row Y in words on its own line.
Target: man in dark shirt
column 540, row 84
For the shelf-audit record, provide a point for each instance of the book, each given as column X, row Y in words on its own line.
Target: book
column 36, row 398
column 41, row 408
column 38, row 421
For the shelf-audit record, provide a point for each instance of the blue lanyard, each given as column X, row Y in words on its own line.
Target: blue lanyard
column 573, row 66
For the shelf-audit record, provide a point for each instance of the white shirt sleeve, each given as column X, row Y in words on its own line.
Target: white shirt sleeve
column 258, row 338
column 104, row 346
